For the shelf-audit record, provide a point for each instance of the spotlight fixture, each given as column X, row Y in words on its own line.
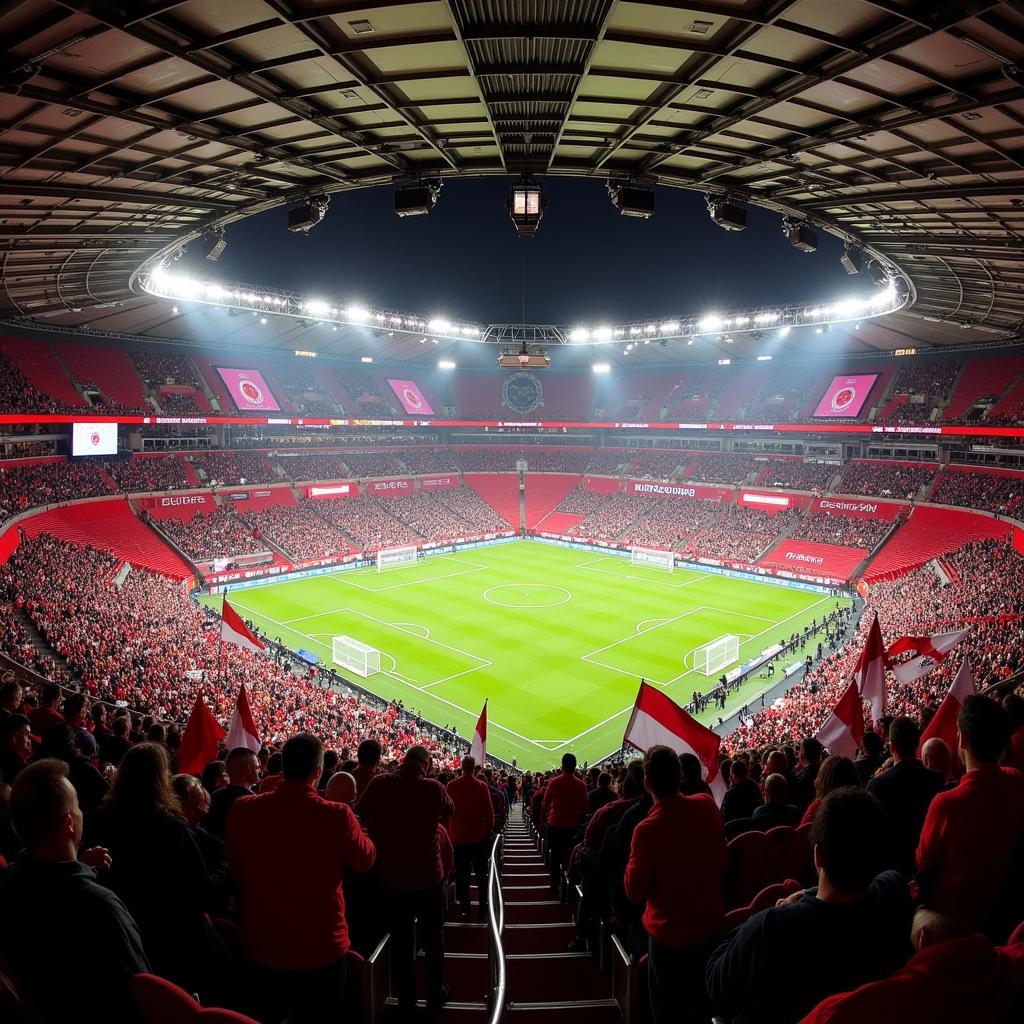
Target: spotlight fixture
column 800, row 234
column 308, row 214
column 877, row 273
column 524, row 359
column 726, row 214
column 631, row 200
column 526, row 205
column 851, row 259
column 213, row 244
column 416, row 200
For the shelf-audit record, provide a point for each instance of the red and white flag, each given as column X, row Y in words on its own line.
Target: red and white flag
column 200, row 741
column 478, row 748
column 234, row 631
column 943, row 724
column 242, row 726
column 659, row 720
column 843, row 730
column 870, row 671
column 932, row 651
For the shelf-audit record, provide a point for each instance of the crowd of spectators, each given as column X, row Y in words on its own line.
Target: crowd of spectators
column 538, row 459
column 17, row 395
column 608, row 461
column 370, row 464
column 581, row 502
column 362, row 387
column 783, row 393
column 989, row 491
column 925, row 377
column 40, row 483
column 232, row 469
column 156, row 368
column 657, row 465
column 846, row 531
column 312, row 466
column 182, row 403
column 671, row 523
column 159, row 473
column 367, row 522
column 428, row 460
column 296, row 529
column 722, row 468
column 797, row 474
column 613, row 517
column 740, row 534
column 425, row 514
column 470, row 507
column 220, row 534
column 885, row 479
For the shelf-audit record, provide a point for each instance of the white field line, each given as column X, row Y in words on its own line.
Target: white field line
column 352, row 578
column 626, row 710
column 641, row 579
column 406, row 682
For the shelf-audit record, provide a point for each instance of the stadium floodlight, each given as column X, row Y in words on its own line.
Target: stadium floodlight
column 602, row 333
column 601, row 368
column 727, row 214
column 526, row 205
column 416, row 200
column 358, row 314
column 669, row 327
column 308, row 214
column 851, row 259
column 764, row 359
column 579, row 334
column 366, row 359
column 800, row 234
column 877, row 273
column 213, row 244
column 631, row 200
column 445, row 364
column 711, row 322
column 784, row 331
column 439, row 326
column 316, row 307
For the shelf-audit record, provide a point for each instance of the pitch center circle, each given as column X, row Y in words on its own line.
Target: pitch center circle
column 527, row 595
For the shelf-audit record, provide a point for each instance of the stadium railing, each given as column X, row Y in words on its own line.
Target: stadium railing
column 496, row 950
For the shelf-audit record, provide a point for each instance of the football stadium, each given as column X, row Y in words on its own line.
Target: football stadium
column 512, row 512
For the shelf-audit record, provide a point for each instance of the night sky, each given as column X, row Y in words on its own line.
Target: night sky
column 587, row 264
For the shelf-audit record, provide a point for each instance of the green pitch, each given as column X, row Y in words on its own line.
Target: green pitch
column 556, row 639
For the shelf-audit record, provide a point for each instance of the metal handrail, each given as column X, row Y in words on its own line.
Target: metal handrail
column 496, row 913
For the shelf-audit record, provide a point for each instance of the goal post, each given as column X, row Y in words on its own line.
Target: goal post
column 653, row 557
column 712, row 657
column 353, row 656
column 390, row 558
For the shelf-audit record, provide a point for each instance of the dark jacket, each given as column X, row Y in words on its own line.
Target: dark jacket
column 221, row 803
column 906, row 791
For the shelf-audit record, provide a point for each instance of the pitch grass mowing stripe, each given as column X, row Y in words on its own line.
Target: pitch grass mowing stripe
column 558, row 676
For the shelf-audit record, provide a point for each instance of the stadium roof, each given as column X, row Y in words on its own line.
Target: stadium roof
column 126, row 129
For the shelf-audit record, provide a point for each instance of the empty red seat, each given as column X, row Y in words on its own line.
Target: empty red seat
column 745, row 874
column 161, row 1002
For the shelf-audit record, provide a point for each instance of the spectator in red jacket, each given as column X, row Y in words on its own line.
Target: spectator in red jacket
column 288, row 850
column 564, row 809
column 973, row 834
column 676, row 864
column 401, row 811
column 470, row 829
column 46, row 714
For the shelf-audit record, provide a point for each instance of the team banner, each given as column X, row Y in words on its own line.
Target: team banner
column 857, row 508
column 343, row 490
column 439, row 483
column 819, row 559
column 177, row 506
column 656, row 489
column 403, row 486
column 771, row 501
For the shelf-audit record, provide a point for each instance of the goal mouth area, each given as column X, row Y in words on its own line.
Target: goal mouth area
column 712, row 658
column 392, row 558
column 354, row 656
column 655, row 558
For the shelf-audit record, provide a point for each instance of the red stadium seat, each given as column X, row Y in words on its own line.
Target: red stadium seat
column 162, row 1002
column 780, row 841
column 744, row 878
column 797, row 862
column 767, row 897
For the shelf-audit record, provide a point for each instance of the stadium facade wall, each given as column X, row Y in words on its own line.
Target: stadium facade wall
column 856, row 508
column 772, row 502
column 179, row 505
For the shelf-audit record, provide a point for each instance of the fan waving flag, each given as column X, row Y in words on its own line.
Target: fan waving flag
column 931, row 652
column 234, row 631
column 943, row 724
column 843, row 730
column 478, row 748
column 242, row 727
column 657, row 719
column 201, row 739
column 870, row 671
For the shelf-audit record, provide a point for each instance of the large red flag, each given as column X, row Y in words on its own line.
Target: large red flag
column 234, row 631
column 242, row 727
column 870, row 671
column 931, row 652
column 843, row 730
column 201, row 741
column 657, row 719
column 943, row 724
column 478, row 748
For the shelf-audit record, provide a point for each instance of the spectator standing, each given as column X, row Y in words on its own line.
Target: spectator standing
column 469, row 829
column 872, row 756
column 811, row 754
column 601, row 794
column 10, row 696
column 676, row 864
column 973, row 834
column 50, row 901
column 15, row 747
column 905, row 790
column 563, row 810
column 402, row 812
column 243, row 774
column 289, row 850
column 743, row 795
column 118, row 745
column 853, row 927
column 46, row 714
column 75, row 714
column 368, row 757
column 776, row 809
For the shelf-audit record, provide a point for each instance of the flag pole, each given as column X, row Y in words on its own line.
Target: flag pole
column 220, row 642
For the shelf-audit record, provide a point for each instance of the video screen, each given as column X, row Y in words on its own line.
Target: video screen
column 411, row 397
column 93, row 438
column 249, row 390
column 846, row 395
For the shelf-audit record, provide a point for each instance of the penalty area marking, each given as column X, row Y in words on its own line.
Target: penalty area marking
column 527, row 588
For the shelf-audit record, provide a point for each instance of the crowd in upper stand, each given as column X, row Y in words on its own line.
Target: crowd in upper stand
column 721, row 468
column 846, row 531
column 217, row 534
column 150, row 474
column 989, row 491
column 233, row 469
column 796, row 474
column 881, row 480
column 297, row 529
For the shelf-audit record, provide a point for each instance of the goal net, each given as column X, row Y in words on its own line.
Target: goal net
column 388, row 558
column 651, row 556
column 353, row 656
column 717, row 655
